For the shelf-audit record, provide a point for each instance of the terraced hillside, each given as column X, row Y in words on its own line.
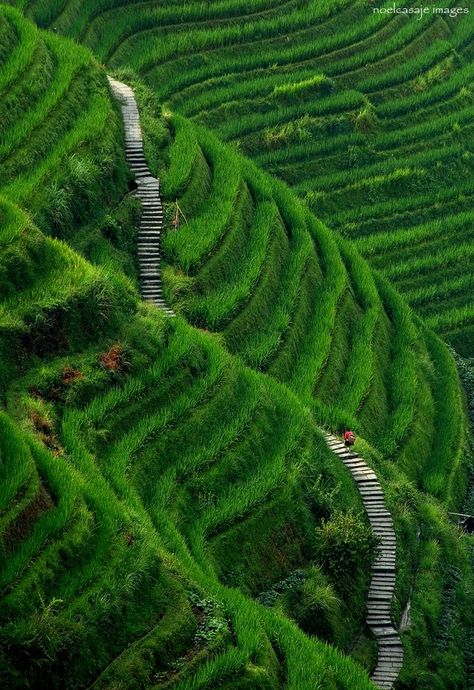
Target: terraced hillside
column 129, row 442
column 368, row 115
column 248, row 262
column 296, row 301
column 171, row 515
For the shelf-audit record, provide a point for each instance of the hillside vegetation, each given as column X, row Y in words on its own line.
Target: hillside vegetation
column 368, row 115
column 169, row 509
column 136, row 453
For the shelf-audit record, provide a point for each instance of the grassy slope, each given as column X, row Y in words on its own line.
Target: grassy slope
column 137, row 453
column 120, row 476
column 368, row 116
column 295, row 301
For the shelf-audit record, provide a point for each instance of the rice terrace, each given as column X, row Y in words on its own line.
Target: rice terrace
column 237, row 345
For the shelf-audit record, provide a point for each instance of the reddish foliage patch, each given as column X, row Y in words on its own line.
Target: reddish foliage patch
column 113, row 359
column 70, row 375
column 22, row 526
column 45, row 432
column 129, row 538
column 41, row 424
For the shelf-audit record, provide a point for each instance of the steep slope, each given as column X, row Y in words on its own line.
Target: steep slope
column 166, row 521
column 293, row 300
column 366, row 113
column 137, row 454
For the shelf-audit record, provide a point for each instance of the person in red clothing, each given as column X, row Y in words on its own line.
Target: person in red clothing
column 349, row 438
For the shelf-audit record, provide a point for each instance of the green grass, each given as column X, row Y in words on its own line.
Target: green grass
column 378, row 106
column 158, row 474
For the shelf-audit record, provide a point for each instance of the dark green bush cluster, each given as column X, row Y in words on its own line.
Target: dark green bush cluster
column 345, row 544
column 293, row 581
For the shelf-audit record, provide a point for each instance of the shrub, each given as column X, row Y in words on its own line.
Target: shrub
column 366, row 119
column 345, row 544
column 314, row 605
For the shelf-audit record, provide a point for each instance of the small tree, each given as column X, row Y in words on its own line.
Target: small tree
column 346, row 544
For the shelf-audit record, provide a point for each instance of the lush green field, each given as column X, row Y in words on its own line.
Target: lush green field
column 369, row 116
column 166, row 492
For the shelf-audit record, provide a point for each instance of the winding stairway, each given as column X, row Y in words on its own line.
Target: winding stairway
column 382, row 584
column 148, row 191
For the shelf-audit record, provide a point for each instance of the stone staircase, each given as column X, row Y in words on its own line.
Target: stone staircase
column 382, row 584
column 148, row 191
column 390, row 650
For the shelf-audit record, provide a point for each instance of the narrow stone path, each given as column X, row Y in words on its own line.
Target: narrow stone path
column 148, row 245
column 382, row 584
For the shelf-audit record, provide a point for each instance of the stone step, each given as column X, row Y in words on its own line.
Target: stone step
column 357, row 466
column 385, row 672
column 393, row 659
column 382, row 632
column 362, row 477
column 374, row 491
column 354, row 461
column 379, row 621
column 381, row 523
column 386, row 557
column 383, row 568
column 378, row 610
column 383, row 531
column 381, row 584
